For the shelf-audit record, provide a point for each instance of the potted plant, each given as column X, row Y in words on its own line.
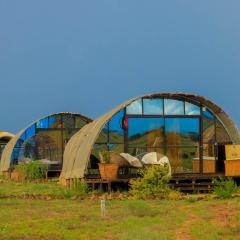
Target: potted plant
column 108, row 170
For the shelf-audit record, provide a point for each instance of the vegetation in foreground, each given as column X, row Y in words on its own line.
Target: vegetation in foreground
column 32, row 170
column 225, row 188
column 50, row 211
column 125, row 220
column 153, row 183
column 40, row 189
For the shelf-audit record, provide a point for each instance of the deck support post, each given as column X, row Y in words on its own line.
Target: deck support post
column 100, row 187
column 109, row 187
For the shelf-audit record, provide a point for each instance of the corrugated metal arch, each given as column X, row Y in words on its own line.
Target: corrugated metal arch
column 6, row 135
column 7, row 152
column 78, row 149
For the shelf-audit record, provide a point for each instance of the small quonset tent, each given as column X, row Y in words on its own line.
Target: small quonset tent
column 189, row 129
column 43, row 140
column 5, row 137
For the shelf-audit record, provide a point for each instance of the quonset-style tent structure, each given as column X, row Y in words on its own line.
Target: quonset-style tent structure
column 43, row 140
column 189, row 129
column 5, row 137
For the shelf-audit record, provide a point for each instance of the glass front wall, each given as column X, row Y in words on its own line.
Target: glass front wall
column 116, row 132
column 176, row 128
column 145, row 132
column 145, row 135
column 79, row 122
column 209, row 142
column 173, row 107
column 183, row 139
column 184, row 159
column 208, row 127
column 182, row 131
column 221, row 134
column 103, row 137
column 152, row 106
column 192, row 109
column 135, row 107
column 46, row 139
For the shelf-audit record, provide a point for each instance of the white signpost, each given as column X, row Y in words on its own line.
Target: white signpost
column 103, row 208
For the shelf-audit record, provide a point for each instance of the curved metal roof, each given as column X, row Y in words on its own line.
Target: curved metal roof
column 7, row 152
column 6, row 135
column 79, row 147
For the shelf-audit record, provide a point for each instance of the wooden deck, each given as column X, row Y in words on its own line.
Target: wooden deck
column 181, row 182
column 103, row 184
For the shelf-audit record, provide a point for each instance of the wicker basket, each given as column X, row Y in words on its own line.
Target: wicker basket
column 108, row 171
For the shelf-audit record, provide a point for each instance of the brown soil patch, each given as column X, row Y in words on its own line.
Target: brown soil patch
column 225, row 216
column 184, row 231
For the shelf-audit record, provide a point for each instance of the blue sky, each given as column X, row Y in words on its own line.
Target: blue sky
column 89, row 56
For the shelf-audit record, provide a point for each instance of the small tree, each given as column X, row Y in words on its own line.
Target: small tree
column 153, row 183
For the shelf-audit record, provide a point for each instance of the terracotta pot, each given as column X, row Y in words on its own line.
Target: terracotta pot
column 108, row 171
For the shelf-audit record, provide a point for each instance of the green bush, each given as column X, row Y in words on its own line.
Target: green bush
column 79, row 188
column 225, row 188
column 152, row 184
column 32, row 170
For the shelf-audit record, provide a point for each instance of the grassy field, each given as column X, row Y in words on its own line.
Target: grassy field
column 23, row 189
column 30, row 212
column 127, row 219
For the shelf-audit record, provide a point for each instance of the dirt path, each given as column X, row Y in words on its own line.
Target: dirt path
column 184, row 231
column 223, row 216
column 226, row 218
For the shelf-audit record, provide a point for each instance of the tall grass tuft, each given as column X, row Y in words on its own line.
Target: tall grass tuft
column 79, row 188
column 225, row 188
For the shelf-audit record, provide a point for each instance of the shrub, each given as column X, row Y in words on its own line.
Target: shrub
column 225, row 188
column 153, row 183
column 79, row 188
column 32, row 170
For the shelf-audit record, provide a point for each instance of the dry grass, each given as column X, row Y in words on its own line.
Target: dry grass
column 196, row 217
column 127, row 219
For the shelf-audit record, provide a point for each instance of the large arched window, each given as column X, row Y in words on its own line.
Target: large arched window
column 182, row 129
column 46, row 139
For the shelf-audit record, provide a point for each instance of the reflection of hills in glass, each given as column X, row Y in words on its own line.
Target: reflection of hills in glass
column 44, row 145
column 117, row 148
column 114, row 137
column 155, row 138
column 152, row 138
column 209, row 133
